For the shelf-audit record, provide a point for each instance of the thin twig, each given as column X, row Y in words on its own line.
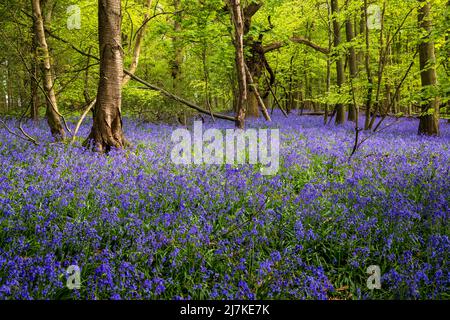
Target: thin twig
column 275, row 96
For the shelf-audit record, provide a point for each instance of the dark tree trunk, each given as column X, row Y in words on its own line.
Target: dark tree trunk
column 330, row 45
column 9, row 87
column 178, row 50
column 52, row 114
column 3, row 86
column 352, row 60
column 340, row 110
column 429, row 119
column 107, row 130
column 388, row 100
column 34, row 111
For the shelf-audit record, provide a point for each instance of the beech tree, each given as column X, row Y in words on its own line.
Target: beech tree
column 52, row 114
column 429, row 118
column 340, row 110
column 236, row 18
column 107, row 130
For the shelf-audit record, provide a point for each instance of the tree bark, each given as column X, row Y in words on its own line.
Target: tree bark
column 429, row 119
column 53, row 119
column 368, row 102
column 34, row 112
column 251, row 83
column 352, row 61
column 254, row 60
column 107, row 130
column 330, row 45
column 340, row 110
column 9, row 87
column 381, row 64
column 178, row 55
column 236, row 14
column 3, row 87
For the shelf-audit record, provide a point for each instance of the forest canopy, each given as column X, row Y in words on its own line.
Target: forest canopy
column 333, row 58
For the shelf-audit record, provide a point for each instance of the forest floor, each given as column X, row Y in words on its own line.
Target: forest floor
column 140, row 227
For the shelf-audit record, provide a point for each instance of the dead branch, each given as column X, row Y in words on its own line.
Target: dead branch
column 176, row 98
column 310, row 44
column 258, row 96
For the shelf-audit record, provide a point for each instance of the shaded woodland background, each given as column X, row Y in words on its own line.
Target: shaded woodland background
column 334, row 59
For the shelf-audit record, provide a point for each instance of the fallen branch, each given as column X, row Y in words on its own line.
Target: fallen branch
column 26, row 136
column 176, row 98
column 20, row 124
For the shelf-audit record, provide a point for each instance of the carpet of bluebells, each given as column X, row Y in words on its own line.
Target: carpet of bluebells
column 140, row 227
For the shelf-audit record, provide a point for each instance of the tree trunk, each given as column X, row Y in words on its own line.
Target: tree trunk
column 52, row 114
column 34, row 112
column 396, row 51
column 254, row 60
column 206, row 76
column 368, row 102
column 429, row 119
column 9, row 87
column 236, row 14
column 252, row 103
column 340, row 110
column 3, row 86
column 178, row 56
column 107, row 130
column 381, row 64
column 352, row 60
column 388, row 100
column 87, row 97
column 330, row 45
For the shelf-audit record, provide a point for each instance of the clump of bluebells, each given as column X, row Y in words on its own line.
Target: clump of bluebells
column 140, row 227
